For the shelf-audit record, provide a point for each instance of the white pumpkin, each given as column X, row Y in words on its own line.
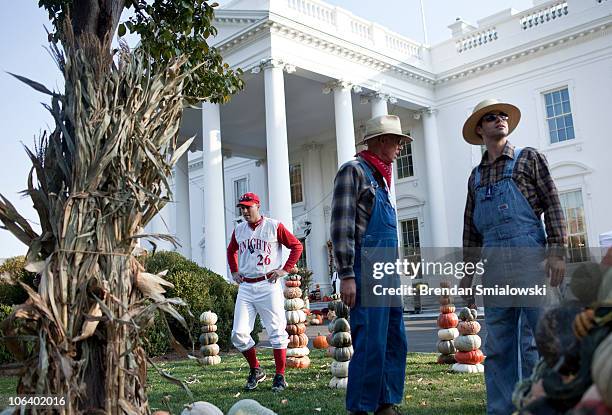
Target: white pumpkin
column 298, row 352
column 249, row 407
column 295, row 316
column 294, row 304
column 208, row 338
column 468, row 343
column 210, row 360
column 210, row 350
column 201, row 408
column 448, row 334
column 208, row 318
column 339, row 369
column 338, row 383
column 463, row 368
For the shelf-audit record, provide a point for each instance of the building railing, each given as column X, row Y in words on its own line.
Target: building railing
column 477, row 39
column 544, row 15
column 315, row 10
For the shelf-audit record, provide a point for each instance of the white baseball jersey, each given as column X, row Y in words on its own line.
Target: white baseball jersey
column 259, row 250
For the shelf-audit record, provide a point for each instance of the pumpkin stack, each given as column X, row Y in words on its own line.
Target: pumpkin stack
column 297, row 350
column 447, row 322
column 469, row 357
column 209, row 339
column 340, row 339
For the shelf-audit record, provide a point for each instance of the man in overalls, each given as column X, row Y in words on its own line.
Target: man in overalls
column 364, row 218
column 507, row 194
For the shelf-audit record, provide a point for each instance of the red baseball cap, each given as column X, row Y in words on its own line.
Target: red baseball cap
column 248, row 199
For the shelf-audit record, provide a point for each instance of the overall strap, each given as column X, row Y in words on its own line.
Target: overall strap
column 509, row 167
column 476, row 171
column 369, row 173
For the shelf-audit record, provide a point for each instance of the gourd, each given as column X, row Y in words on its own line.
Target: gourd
column 210, row 360
column 341, row 309
column 601, row 369
column 444, row 301
column 461, row 367
column 294, row 304
column 292, row 283
column 209, row 329
column 298, row 352
column 208, row 318
column 470, row 358
column 295, row 317
column 445, row 309
column 468, row 314
column 468, row 327
column 201, row 408
column 298, row 362
column 341, row 324
column 448, row 334
column 339, row 369
column 298, row 340
column 467, row 343
column 331, row 350
column 341, row 339
column 293, row 292
column 296, row 328
column 293, row 276
column 446, row 347
column 343, row 354
column 446, row 359
column 338, row 383
column 210, row 350
column 208, row 338
column 249, row 407
column 447, row 321
column 320, row 342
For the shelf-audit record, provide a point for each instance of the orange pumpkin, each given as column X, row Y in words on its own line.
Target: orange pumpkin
column 296, row 328
column 320, row 342
column 298, row 362
column 447, row 321
column 292, row 283
column 470, row 358
column 293, row 292
column 468, row 327
column 298, row 340
column 445, row 309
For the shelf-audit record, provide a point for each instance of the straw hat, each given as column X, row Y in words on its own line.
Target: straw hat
column 486, row 106
column 384, row 125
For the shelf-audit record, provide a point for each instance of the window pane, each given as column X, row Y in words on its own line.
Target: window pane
column 566, row 107
column 295, row 183
column 405, row 167
column 550, row 111
column 553, row 136
column 565, row 94
column 568, row 121
column 548, row 98
column 558, row 109
column 570, row 133
column 561, row 134
column 560, row 123
column 556, row 97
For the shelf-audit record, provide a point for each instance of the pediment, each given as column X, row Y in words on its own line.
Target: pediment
column 568, row 169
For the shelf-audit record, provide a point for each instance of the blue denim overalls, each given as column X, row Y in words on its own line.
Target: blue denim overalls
column 378, row 367
column 505, row 219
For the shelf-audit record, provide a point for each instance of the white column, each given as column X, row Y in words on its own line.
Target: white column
column 345, row 130
column 214, row 210
column 181, row 201
column 316, row 241
column 435, row 185
column 279, row 192
column 379, row 105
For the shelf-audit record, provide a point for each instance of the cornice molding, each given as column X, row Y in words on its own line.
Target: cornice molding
column 272, row 63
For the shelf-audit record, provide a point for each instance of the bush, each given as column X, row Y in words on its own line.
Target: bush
column 5, row 355
column 11, row 274
column 202, row 290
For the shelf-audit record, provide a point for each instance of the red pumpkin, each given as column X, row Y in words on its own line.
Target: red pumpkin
column 292, row 283
column 296, row 328
column 470, row 358
column 468, row 327
column 320, row 342
column 447, row 321
column 298, row 340
column 445, row 309
column 298, row 362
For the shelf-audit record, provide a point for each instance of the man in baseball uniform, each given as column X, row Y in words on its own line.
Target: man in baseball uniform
column 255, row 259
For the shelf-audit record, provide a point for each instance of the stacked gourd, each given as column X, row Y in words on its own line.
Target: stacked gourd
column 469, row 357
column 447, row 333
column 297, row 350
column 340, row 339
column 209, row 339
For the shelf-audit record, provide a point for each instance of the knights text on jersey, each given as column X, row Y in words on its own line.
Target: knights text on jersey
column 259, row 251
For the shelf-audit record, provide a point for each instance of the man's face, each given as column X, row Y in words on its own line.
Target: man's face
column 493, row 125
column 390, row 147
column 250, row 213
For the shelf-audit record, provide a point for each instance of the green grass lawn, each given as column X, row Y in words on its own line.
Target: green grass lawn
column 430, row 388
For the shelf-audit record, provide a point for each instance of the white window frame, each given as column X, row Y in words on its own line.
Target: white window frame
column 236, row 196
column 580, row 189
column 302, row 171
column 414, row 167
column 540, row 99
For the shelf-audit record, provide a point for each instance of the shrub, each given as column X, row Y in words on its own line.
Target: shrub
column 5, row 355
column 202, row 290
column 11, row 273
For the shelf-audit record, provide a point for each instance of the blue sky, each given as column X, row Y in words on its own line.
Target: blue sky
column 22, row 116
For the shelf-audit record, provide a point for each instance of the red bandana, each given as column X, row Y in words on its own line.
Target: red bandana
column 382, row 167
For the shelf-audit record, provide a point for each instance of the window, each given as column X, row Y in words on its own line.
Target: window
column 573, row 208
column 240, row 188
column 559, row 116
column 295, row 182
column 411, row 242
column 302, row 262
column 405, row 168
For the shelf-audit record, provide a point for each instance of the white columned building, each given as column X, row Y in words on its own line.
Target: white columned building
column 343, row 112
column 182, row 213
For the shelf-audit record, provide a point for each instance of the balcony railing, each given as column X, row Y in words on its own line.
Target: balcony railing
column 545, row 15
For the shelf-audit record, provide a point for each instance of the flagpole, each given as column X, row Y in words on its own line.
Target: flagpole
column 426, row 41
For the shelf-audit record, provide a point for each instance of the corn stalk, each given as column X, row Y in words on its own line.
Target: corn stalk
column 96, row 179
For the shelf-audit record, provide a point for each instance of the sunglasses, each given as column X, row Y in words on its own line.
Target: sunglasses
column 493, row 117
column 245, row 199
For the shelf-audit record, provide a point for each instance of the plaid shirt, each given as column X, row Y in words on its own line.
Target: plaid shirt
column 353, row 199
column 534, row 181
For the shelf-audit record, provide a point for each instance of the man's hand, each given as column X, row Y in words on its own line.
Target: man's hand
column 237, row 278
column 348, row 291
column 276, row 274
column 555, row 269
